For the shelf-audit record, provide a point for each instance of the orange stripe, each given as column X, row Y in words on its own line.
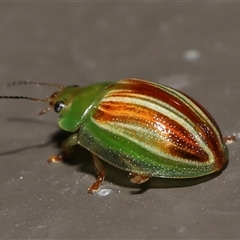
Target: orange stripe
column 177, row 141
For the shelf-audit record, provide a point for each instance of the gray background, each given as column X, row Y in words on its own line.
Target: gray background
column 194, row 47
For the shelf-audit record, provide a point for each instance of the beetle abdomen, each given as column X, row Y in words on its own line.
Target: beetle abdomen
column 174, row 135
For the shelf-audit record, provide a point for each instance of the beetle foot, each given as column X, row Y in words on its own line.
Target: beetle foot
column 101, row 173
column 56, row 158
column 138, row 179
column 229, row 139
column 100, row 179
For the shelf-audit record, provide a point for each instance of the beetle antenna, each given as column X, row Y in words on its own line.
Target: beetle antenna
column 30, row 99
column 48, row 99
column 35, row 83
column 25, row 98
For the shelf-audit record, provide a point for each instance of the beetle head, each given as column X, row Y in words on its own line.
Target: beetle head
column 71, row 102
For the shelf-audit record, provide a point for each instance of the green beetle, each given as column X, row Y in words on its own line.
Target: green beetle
column 144, row 128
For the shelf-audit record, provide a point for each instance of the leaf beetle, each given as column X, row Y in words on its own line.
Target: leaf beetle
column 144, row 128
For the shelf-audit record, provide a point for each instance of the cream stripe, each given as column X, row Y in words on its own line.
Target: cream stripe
column 156, row 107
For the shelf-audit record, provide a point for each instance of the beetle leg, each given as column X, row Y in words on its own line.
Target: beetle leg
column 101, row 173
column 138, row 179
column 66, row 149
column 229, row 139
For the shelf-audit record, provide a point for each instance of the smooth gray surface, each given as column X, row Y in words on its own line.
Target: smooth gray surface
column 194, row 47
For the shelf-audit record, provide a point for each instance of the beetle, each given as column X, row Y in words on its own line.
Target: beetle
column 144, row 128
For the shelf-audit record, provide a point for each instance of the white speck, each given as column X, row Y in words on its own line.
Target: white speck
column 20, row 224
column 42, row 226
column 182, row 229
column 104, row 192
column 191, row 55
column 21, row 177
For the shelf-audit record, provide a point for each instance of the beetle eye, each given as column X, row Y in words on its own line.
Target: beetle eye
column 58, row 106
